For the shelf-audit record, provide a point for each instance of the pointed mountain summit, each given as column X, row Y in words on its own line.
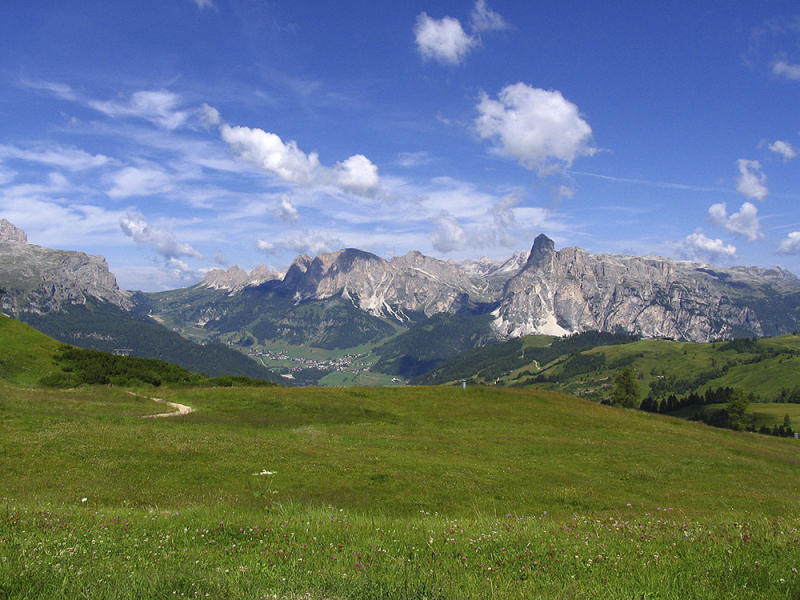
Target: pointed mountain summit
column 542, row 253
column 11, row 233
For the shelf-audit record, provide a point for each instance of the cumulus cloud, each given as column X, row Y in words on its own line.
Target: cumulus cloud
column 751, row 181
column 697, row 245
column 745, row 222
column 539, row 127
column 791, row 244
column 162, row 240
column 718, row 214
column 286, row 211
column 357, row 174
column 786, row 69
column 159, row 107
column 443, row 40
column 785, row 149
column 136, row 181
column 449, row 234
column 72, row 159
column 485, row 19
column 269, row 152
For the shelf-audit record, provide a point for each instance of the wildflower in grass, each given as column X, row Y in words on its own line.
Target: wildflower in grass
column 84, row 499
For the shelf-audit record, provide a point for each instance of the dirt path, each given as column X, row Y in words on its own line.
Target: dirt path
column 180, row 409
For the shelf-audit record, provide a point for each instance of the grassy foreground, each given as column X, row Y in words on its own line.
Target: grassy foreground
column 386, row 493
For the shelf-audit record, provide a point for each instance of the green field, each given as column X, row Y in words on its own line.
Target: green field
column 406, row 492
column 441, row 492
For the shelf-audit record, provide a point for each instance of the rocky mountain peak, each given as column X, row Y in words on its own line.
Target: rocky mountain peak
column 11, row 233
column 542, row 253
column 236, row 278
column 232, row 278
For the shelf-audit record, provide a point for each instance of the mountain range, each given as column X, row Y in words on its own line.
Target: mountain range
column 354, row 299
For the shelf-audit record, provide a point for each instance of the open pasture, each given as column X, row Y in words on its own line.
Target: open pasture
column 397, row 493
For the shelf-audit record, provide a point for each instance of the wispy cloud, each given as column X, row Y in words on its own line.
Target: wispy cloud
column 659, row 184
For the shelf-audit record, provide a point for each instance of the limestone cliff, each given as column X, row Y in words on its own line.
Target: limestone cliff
column 41, row 280
column 571, row 290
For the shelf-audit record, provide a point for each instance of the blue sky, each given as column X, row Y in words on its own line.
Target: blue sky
column 177, row 136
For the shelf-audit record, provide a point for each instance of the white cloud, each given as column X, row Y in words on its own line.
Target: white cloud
column 358, row 175
column 485, row 19
column 158, row 107
column 7, row 176
column 305, row 242
column 449, row 234
column 355, row 175
column 785, row 149
column 269, row 152
column 504, row 220
column 563, row 192
column 751, row 180
column 413, row 159
column 443, row 40
column 745, row 222
column 786, row 69
column 204, row 3
column 135, row 181
column 539, row 127
column 697, row 245
column 71, row 159
column 266, row 247
column 791, row 244
column 162, row 240
column 209, row 115
column 286, row 211
column 312, row 242
column 59, row 90
column 718, row 214
column 179, row 270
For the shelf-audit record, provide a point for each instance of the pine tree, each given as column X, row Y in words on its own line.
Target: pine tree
column 625, row 392
column 737, row 409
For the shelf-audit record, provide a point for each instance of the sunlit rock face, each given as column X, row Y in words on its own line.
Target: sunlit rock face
column 568, row 291
column 40, row 280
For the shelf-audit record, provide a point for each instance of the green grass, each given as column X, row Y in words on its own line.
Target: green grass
column 651, row 359
column 25, row 354
column 769, row 414
column 417, row 492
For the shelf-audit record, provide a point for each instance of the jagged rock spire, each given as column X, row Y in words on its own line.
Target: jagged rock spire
column 542, row 253
column 11, row 233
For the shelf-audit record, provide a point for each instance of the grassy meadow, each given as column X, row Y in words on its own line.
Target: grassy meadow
column 385, row 493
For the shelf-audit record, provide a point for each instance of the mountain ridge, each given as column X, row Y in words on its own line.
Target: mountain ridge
column 352, row 298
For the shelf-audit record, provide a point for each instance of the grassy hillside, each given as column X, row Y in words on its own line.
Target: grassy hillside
column 105, row 327
column 25, row 354
column 403, row 450
column 390, row 493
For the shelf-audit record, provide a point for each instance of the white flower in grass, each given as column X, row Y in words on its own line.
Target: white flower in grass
column 84, row 499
